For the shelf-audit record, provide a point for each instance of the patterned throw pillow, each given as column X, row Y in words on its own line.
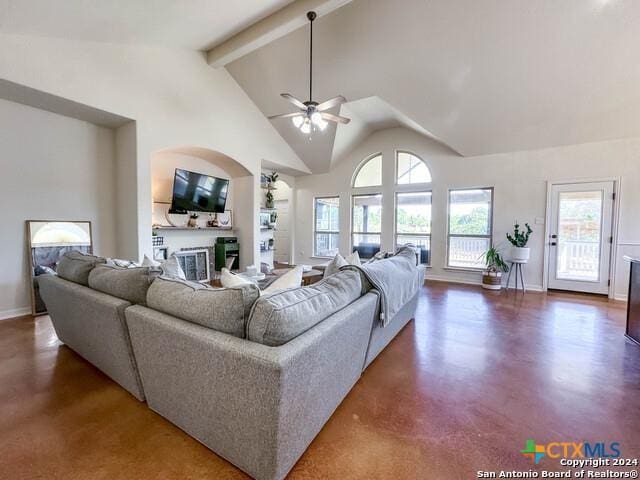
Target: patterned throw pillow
column 118, row 262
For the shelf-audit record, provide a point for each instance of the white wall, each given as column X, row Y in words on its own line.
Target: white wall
column 51, row 168
column 282, row 236
column 175, row 98
column 519, row 180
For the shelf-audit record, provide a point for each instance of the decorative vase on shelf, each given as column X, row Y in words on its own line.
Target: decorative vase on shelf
column 193, row 221
column 269, row 199
column 213, row 221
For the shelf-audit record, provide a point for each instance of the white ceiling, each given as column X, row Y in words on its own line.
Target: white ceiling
column 194, row 24
column 482, row 76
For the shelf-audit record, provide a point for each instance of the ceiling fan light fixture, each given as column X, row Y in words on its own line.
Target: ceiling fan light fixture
column 312, row 115
column 316, row 118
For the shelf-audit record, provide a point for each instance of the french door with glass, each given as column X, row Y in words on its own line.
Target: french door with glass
column 580, row 237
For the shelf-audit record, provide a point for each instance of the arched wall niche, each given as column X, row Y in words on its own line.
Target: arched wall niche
column 208, row 162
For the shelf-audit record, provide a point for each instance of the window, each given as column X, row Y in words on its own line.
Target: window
column 413, row 222
column 411, row 169
column 470, row 226
column 370, row 173
column 366, row 224
column 327, row 226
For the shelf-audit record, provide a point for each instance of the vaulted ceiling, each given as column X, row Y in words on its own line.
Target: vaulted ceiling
column 481, row 76
column 194, row 24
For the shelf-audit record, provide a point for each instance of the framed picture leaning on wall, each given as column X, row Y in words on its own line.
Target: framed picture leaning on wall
column 48, row 241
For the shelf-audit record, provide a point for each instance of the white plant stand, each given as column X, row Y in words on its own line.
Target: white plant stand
column 518, row 265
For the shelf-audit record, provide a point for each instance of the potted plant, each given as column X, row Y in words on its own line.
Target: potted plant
column 273, row 219
column 273, row 178
column 269, row 199
column 495, row 267
column 520, row 252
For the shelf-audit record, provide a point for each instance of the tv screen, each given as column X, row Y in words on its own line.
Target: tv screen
column 194, row 192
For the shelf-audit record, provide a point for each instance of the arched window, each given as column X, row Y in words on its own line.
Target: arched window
column 411, row 169
column 370, row 173
column 412, row 198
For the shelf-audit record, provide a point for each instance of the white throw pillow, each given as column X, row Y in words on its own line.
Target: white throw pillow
column 230, row 280
column 291, row 279
column 334, row 265
column 354, row 259
column 148, row 262
column 172, row 268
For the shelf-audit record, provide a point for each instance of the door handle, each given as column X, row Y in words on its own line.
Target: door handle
column 553, row 244
column 554, row 236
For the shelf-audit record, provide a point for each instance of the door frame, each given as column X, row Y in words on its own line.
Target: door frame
column 615, row 220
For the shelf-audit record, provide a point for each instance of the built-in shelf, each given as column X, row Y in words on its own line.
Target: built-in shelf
column 226, row 229
column 268, row 187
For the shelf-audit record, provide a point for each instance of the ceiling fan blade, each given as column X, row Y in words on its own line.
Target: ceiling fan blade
column 286, row 115
column 335, row 118
column 331, row 103
column 294, row 100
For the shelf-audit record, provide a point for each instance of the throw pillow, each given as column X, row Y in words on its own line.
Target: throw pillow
column 379, row 256
column 230, row 280
column 334, row 265
column 354, row 259
column 291, row 279
column 148, row 262
column 172, row 268
column 117, row 262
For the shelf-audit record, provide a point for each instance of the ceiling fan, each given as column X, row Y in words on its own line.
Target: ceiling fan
column 312, row 115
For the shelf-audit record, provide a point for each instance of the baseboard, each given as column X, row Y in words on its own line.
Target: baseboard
column 442, row 278
column 16, row 312
column 622, row 297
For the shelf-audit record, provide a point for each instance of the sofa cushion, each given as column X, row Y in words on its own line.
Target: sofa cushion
column 130, row 284
column 280, row 317
column 223, row 309
column 75, row 266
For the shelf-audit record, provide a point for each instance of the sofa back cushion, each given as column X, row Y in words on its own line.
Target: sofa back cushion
column 282, row 316
column 223, row 309
column 130, row 284
column 75, row 266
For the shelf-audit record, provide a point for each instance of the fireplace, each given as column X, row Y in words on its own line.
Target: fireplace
column 195, row 264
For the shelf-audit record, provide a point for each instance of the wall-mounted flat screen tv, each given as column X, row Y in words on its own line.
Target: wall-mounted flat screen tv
column 195, row 192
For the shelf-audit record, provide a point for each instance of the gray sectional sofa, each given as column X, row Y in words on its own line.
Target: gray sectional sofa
column 254, row 378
